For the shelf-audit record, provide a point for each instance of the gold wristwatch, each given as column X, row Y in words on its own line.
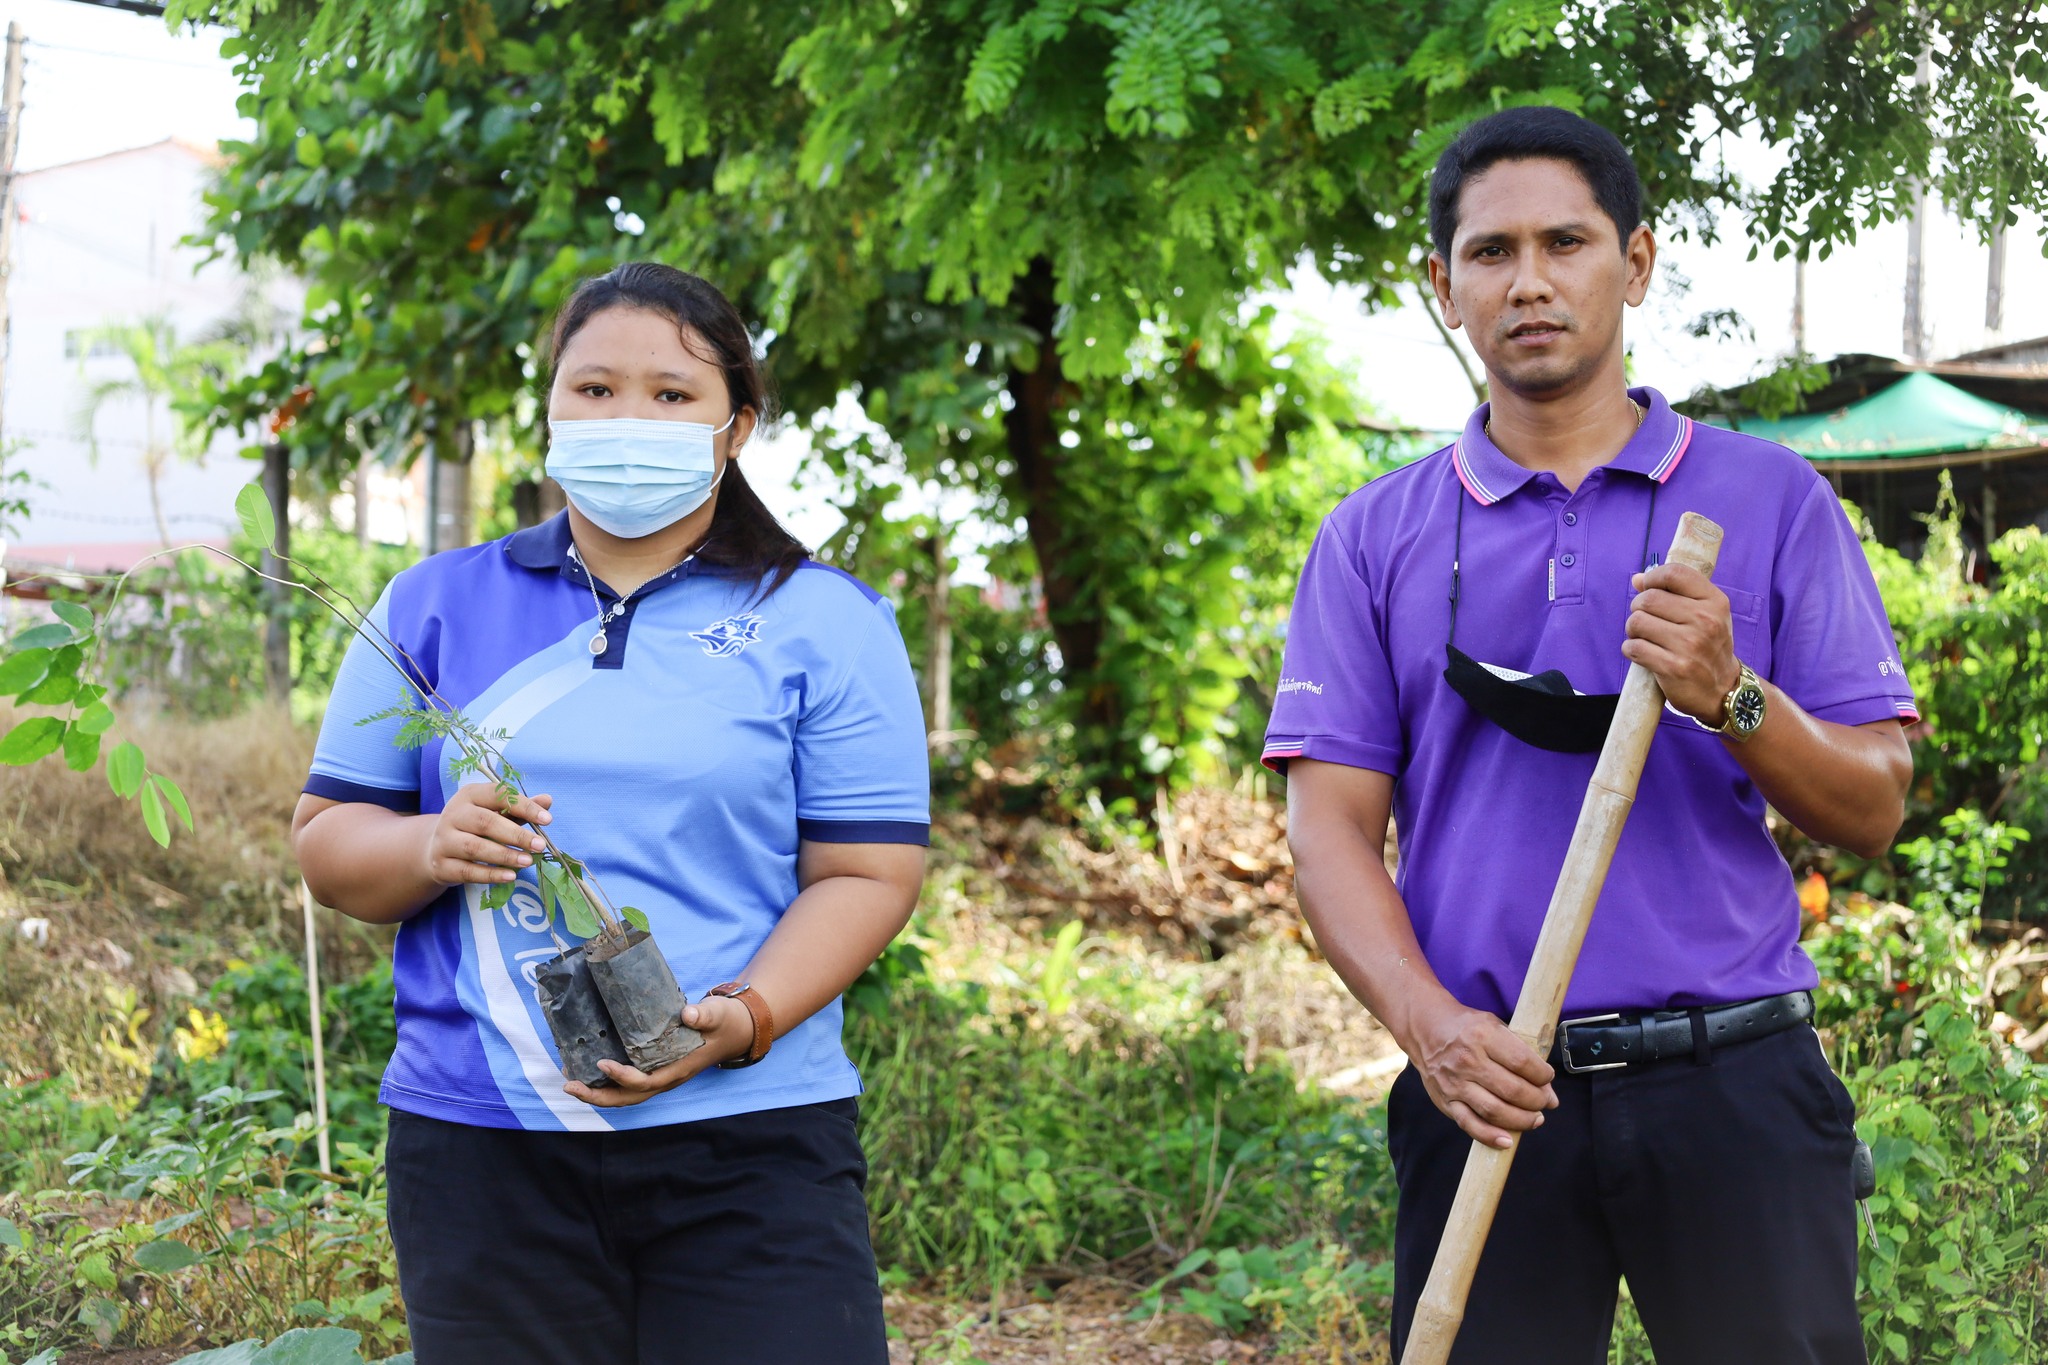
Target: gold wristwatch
column 1744, row 706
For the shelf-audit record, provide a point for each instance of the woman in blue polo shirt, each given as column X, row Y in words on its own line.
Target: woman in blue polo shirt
column 729, row 734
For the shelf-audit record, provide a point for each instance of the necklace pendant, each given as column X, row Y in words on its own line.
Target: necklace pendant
column 598, row 643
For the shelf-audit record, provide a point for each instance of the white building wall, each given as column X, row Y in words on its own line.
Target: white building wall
column 101, row 241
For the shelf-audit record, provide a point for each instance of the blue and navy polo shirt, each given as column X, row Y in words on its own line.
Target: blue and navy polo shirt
column 721, row 725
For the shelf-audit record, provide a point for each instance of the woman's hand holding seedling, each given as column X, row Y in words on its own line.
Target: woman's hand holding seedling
column 728, row 1029
column 481, row 836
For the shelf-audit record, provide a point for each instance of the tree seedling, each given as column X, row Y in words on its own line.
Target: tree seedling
column 611, row 995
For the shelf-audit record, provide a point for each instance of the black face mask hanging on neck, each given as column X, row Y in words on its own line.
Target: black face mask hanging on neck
column 1543, row 709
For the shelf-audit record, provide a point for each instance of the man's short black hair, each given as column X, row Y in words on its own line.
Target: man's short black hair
column 1528, row 133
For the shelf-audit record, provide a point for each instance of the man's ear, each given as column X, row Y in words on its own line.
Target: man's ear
column 1642, row 264
column 1440, row 282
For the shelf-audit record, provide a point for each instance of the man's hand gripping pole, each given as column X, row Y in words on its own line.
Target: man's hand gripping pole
column 1608, row 798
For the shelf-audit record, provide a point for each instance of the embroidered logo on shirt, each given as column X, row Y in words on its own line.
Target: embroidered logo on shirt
column 1300, row 685
column 723, row 639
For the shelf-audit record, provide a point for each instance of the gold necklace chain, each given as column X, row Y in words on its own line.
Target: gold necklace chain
column 1636, row 407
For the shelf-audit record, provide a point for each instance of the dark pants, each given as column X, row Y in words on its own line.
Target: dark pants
column 741, row 1239
column 1722, row 1192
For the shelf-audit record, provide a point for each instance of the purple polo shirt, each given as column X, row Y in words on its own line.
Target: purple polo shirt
column 1699, row 907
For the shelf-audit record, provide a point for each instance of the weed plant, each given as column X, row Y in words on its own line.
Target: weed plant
column 199, row 1227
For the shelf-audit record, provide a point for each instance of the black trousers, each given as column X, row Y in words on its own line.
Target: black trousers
column 1722, row 1192
column 735, row 1239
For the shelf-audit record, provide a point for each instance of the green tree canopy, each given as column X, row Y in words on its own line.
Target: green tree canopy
column 1021, row 231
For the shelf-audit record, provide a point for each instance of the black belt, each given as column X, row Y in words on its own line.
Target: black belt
column 1601, row 1042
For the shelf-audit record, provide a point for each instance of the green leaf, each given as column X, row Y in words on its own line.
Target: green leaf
column 636, row 918
column 241, row 1353
column 495, row 897
column 31, row 740
column 166, row 1256
column 47, row 636
column 23, row 670
column 57, row 689
column 96, row 719
column 252, row 505
column 77, row 617
column 125, row 770
column 10, row 1235
column 577, row 916
column 312, row 1346
column 310, row 153
column 81, row 750
column 153, row 816
column 173, row 798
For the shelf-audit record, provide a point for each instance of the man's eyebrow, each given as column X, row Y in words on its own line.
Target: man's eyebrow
column 1572, row 229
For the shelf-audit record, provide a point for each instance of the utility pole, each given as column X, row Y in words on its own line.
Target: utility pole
column 1799, row 304
column 1994, row 287
column 10, row 138
column 1916, row 232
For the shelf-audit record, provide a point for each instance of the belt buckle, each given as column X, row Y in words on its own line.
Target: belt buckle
column 1564, row 1043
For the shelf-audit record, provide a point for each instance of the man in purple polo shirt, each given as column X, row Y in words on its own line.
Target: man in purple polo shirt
column 1690, row 1136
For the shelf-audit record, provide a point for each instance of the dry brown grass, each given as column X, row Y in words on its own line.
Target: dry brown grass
column 121, row 917
column 241, row 775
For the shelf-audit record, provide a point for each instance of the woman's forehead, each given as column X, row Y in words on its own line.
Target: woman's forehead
column 637, row 341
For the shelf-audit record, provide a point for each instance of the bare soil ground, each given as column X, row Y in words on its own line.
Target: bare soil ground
column 1085, row 1322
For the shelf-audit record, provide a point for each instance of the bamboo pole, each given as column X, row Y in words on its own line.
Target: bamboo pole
column 319, row 1047
column 1608, row 798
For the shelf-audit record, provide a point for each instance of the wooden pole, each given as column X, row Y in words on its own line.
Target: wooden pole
column 319, row 1046
column 1608, row 798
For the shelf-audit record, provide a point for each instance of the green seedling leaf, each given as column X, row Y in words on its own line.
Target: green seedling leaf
column 10, row 1235
column 241, row 1353
column 173, row 798
column 31, row 740
column 48, row 636
column 495, row 897
column 636, row 918
column 125, row 770
column 21, row 671
column 312, row 1346
column 577, row 916
column 166, row 1256
column 81, row 750
column 103, row 1315
column 253, row 507
column 96, row 719
column 77, row 617
column 48, row 1356
column 153, row 816
column 55, row 690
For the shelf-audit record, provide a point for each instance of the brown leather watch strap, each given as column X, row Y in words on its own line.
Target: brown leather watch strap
column 764, row 1020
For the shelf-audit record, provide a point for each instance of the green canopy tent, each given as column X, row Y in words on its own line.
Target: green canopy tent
column 1886, row 451
column 1922, row 421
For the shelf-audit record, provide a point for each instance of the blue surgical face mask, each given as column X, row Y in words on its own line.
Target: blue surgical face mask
column 632, row 476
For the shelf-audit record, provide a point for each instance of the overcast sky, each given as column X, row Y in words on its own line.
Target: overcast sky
column 99, row 80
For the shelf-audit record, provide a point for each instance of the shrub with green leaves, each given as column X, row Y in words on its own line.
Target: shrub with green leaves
column 199, row 1227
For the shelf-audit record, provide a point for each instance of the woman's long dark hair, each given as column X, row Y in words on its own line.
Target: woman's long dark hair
column 744, row 534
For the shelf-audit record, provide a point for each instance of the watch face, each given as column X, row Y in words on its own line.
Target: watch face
column 1746, row 712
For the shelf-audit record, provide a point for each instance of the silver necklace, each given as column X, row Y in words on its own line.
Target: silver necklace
column 598, row 643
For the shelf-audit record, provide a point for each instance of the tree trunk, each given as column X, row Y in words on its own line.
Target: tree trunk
column 938, row 670
column 449, row 497
column 277, row 639
column 1033, row 437
column 362, row 487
